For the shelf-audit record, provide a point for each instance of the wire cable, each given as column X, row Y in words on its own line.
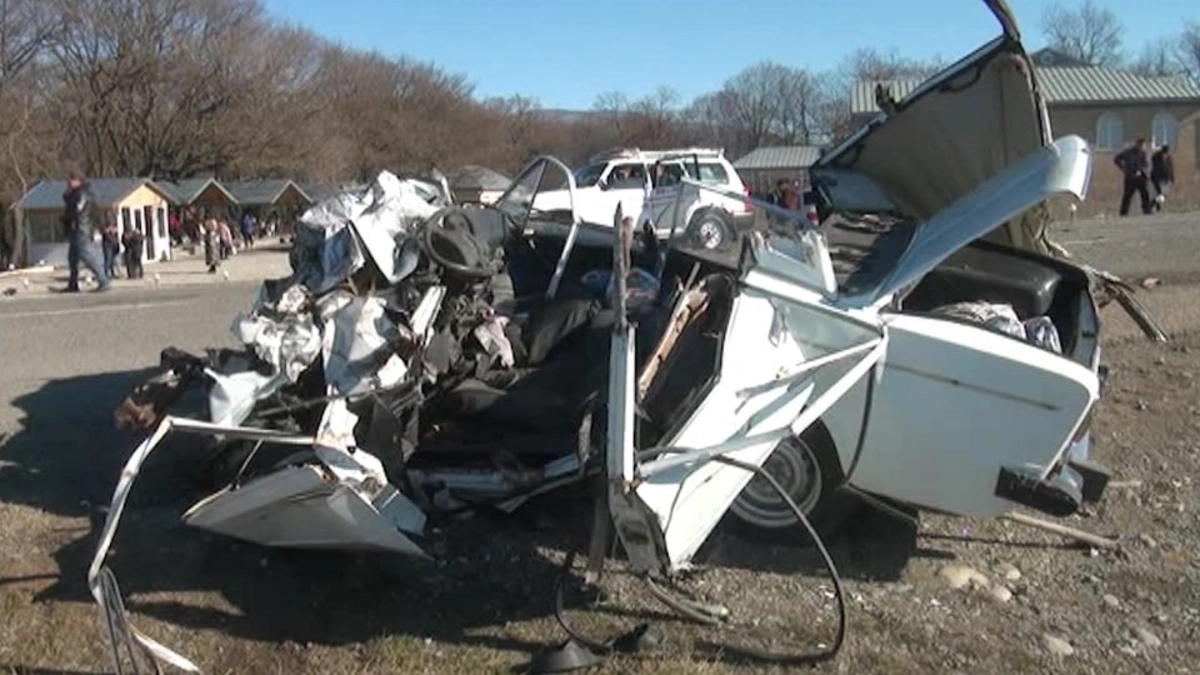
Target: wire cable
column 705, row 615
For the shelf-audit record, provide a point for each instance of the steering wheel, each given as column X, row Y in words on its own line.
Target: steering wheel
column 435, row 238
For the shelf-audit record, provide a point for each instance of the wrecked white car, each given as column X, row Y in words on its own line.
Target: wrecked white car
column 920, row 350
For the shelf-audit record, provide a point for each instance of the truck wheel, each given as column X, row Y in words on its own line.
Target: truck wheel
column 808, row 469
column 709, row 230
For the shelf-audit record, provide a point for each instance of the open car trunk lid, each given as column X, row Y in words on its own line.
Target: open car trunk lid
column 952, row 133
column 907, row 253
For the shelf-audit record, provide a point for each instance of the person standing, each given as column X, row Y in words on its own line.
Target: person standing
column 249, row 222
column 135, row 248
column 1162, row 175
column 224, row 238
column 208, row 230
column 778, row 196
column 110, row 244
column 78, row 205
column 1134, row 166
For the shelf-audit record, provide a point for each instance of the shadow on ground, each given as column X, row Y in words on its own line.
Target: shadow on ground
column 487, row 569
column 872, row 547
column 67, row 456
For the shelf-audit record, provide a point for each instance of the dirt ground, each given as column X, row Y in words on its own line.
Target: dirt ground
column 485, row 604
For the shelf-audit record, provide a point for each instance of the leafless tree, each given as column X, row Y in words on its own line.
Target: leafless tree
column 26, row 27
column 766, row 103
column 868, row 63
column 865, row 64
column 1158, row 58
column 1188, row 50
column 160, row 87
column 1089, row 33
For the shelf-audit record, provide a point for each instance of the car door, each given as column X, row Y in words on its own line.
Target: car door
column 957, row 402
column 779, row 359
column 670, row 202
column 624, row 184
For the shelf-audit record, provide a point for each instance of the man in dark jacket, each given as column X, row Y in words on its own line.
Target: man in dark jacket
column 1162, row 174
column 135, row 247
column 78, row 205
column 1134, row 166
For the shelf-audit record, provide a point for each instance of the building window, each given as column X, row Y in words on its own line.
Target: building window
column 1110, row 132
column 1164, row 129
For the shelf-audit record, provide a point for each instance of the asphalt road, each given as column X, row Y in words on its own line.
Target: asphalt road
column 56, row 338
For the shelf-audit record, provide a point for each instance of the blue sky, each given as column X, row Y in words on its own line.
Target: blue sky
column 566, row 52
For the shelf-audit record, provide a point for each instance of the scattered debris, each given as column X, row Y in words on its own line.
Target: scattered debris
column 1008, row 571
column 1000, row 593
column 1111, row 601
column 1057, row 646
column 1147, row 637
column 963, row 577
column 1070, row 532
column 1150, row 282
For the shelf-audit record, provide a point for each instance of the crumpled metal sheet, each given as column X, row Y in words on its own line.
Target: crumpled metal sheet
column 356, row 331
column 232, row 396
column 287, row 338
column 335, row 237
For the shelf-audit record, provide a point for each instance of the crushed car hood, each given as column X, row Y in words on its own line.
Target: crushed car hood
column 952, row 133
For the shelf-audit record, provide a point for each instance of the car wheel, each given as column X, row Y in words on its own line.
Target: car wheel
column 709, row 230
column 808, row 470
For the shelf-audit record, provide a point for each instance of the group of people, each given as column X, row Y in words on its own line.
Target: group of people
column 79, row 216
column 130, row 247
column 1140, row 171
column 193, row 225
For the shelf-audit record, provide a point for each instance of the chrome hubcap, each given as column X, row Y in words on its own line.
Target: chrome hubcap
column 709, row 234
column 794, row 466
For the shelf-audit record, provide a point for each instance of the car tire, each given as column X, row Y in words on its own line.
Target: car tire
column 709, row 229
column 808, row 468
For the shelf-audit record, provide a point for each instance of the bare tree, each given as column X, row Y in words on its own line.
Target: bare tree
column 1157, row 59
column 26, row 27
column 154, row 87
column 868, row 63
column 766, row 103
column 1188, row 50
column 1089, row 33
column 833, row 113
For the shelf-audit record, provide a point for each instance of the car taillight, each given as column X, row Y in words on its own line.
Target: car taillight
column 746, row 205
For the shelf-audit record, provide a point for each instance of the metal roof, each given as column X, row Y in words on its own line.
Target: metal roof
column 479, row 178
column 261, row 192
column 1104, row 85
column 184, row 192
column 779, row 157
column 318, row 192
column 106, row 191
column 1062, row 85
